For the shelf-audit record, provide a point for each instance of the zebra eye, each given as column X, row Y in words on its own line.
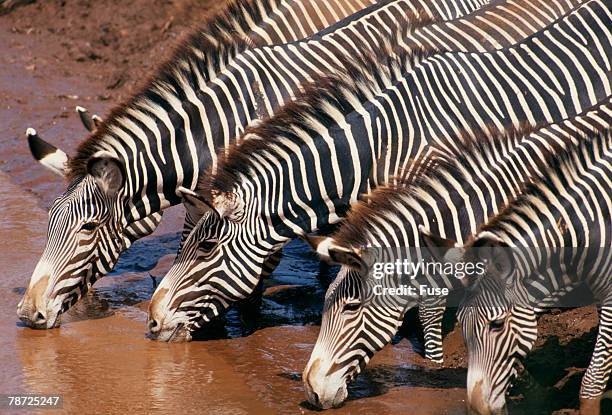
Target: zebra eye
column 497, row 325
column 207, row 245
column 89, row 226
column 351, row 307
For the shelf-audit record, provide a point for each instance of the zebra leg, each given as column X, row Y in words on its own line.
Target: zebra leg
column 597, row 375
column 431, row 313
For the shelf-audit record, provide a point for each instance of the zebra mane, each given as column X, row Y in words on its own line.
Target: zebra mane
column 554, row 178
column 380, row 202
column 202, row 53
column 479, row 148
column 354, row 81
column 408, row 190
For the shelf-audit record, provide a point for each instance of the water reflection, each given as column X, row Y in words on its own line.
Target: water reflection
column 104, row 362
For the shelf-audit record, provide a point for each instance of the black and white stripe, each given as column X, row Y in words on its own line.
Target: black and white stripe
column 302, row 169
column 566, row 217
column 453, row 200
column 215, row 94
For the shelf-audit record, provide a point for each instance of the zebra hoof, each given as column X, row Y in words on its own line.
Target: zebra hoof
column 436, row 358
column 590, row 406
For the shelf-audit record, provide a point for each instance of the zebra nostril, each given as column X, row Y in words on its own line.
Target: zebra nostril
column 153, row 325
column 39, row 318
column 317, row 401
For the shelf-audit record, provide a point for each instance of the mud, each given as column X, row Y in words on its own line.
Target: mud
column 57, row 54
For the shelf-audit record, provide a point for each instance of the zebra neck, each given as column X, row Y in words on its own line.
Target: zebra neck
column 457, row 197
column 479, row 32
column 484, row 178
column 370, row 145
column 172, row 131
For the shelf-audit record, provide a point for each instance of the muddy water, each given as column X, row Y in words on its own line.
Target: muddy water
column 100, row 361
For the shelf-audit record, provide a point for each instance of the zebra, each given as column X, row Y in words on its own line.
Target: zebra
column 154, row 133
column 147, row 146
column 230, row 101
column 397, row 221
column 240, row 97
column 470, row 39
column 302, row 169
column 476, row 35
column 552, row 236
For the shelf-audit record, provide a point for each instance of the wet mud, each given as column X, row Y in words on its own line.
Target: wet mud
column 58, row 54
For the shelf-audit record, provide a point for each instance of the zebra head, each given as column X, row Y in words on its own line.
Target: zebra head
column 498, row 325
column 497, row 339
column 354, row 325
column 218, row 264
column 84, row 238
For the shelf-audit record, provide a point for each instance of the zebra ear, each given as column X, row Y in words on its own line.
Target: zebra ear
column 90, row 122
column 348, row 257
column 46, row 154
column 107, row 171
column 228, row 205
column 321, row 245
column 495, row 254
column 315, row 242
column 442, row 249
column 195, row 205
column 330, row 251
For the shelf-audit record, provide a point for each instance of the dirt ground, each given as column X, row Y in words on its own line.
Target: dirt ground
column 59, row 54
column 56, row 54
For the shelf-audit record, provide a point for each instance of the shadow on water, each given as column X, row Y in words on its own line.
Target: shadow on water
column 19, row 290
column 143, row 254
column 378, row 380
